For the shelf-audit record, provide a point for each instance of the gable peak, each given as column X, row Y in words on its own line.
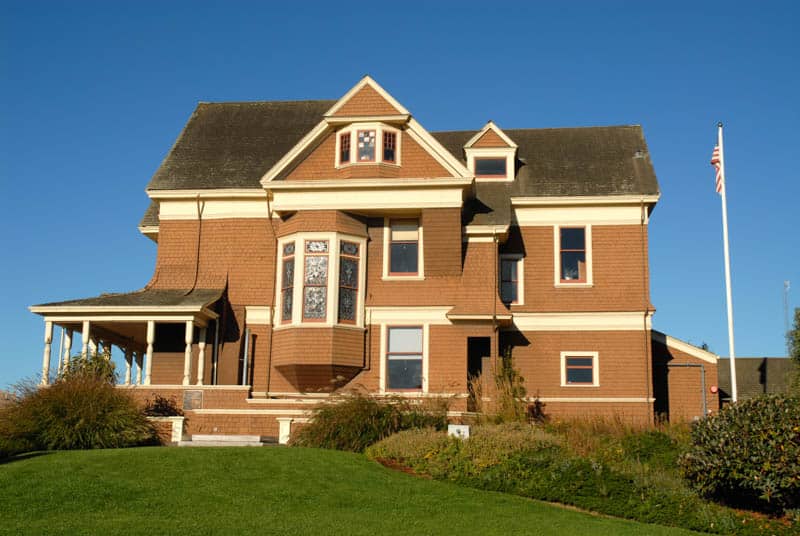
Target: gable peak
column 490, row 135
column 367, row 98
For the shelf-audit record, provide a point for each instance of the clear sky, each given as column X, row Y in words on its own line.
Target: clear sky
column 93, row 95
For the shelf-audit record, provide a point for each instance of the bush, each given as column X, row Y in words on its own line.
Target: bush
column 355, row 421
column 749, row 454
column 82, row 409
column 161, row 406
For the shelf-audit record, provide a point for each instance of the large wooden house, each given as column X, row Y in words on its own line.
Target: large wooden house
column 312, row 246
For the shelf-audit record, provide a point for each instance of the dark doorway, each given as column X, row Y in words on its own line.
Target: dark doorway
column 478, row 356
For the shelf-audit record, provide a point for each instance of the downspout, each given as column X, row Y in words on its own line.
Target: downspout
column 702, row 380
column 495, row 292
column 197, row 249
column 274, row 293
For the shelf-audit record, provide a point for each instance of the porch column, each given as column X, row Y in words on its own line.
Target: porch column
column 85, row 339
column 187, row 354
column 48, row 340
column 128, row 363
column 201, row 356
column 139, row 363
column 93, row 347
column 151, row 337
column 67, row 350
column 106, row 349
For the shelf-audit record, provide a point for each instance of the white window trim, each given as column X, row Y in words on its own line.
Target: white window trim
column 492, row 152
column 557, row 256
column 425, row 344
column 379, row 128
column 520, row 275
column 595, row 369
column 332, row 313
column 420, row 253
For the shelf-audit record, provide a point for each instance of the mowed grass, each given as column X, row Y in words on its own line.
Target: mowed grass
column 262, row 491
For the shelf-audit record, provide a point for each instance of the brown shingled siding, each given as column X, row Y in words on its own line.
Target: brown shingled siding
column 622, row 362
column 490, row 139
column 620, row 271
column 682, row 385
column 442, row 237
column 415, row 162
column 366, row 101
column 322, row 220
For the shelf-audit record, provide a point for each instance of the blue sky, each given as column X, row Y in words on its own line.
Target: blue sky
column 93, row 95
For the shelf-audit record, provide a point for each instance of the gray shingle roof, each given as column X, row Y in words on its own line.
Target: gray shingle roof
column 150, row 217
column 755, row 376
column 232, row 145
column 146, row 298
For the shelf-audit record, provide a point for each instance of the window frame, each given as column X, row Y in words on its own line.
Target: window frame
column 519, row 259
column 492, row 153
column 388, row 275
column 502, row 175
column 584, row 355
column 588, row 280
column 335, row 240
column 350, row 132
column 385, row 354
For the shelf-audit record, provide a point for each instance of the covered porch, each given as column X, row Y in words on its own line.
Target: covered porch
column 133, row 322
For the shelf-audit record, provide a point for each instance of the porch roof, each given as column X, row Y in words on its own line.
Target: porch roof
column 138, row 302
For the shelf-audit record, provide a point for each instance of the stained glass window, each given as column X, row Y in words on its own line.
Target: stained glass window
column 315, row 280
column 344, row 148
column 389, row 142
column 287, row 282
column 348, row 282
column 366, row 145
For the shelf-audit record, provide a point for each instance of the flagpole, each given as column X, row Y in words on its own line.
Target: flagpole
column 727, row 263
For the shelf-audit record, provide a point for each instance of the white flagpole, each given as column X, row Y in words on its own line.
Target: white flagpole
column 727, row 263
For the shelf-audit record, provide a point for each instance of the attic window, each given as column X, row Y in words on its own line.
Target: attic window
column 344, row 148
column 490, row 167
column 368, row 143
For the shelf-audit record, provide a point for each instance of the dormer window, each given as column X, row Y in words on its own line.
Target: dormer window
column 368, row 143
column 490, row 167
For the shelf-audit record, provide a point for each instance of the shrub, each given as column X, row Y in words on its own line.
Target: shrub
column 749, row 454
column 82, row 409
column 161, row 406
column 501, row 396
column 355, row 421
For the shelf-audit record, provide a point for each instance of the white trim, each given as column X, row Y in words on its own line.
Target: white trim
column 379, row 128
column 368, row 199
column 682, row 346
column 384, row 329
column 408, row 183
column 614, row 400
column 156, row 387
column 578, row 215
column 213, row 209
column 604, row 321
column 420, row 275
column 490, row 125
column 595, row 369
column 520, row 258
column 396, row 119
column 436, row 150
column 567, row 201
column 366, row 81
column 257, row 315
column 466, row 317
column 492, row 152
column 334, row 240
column 150, row 231
column 80, row 316
column 303, row 412
column 587, row 240
column 436, row 315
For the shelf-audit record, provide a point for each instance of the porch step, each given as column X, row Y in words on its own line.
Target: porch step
column 222, row 440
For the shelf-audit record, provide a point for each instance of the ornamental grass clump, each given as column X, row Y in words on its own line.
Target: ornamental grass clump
column 749, row 454
column 82, row 409
column 355, row 421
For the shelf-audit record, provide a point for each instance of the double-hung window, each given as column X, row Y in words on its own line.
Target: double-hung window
column 404, row 247
column 511, row 279
column 579, row 369
column 573, row 266
column 404, row 358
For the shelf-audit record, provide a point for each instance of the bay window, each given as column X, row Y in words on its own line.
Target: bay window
column 367, row 143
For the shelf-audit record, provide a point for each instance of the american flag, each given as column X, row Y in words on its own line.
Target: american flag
column 716, row 161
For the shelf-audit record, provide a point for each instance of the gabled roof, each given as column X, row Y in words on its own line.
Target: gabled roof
column 232, row 144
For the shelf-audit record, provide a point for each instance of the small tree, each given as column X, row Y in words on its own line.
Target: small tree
column 793, row 343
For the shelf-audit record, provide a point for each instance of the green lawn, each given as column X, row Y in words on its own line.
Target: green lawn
column 262, row 491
